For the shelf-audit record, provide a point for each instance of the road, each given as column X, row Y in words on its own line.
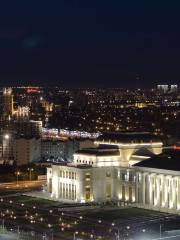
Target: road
column 22, row 185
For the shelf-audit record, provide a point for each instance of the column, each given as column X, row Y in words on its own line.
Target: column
column 178, row 193
column 143, row 188
column 166, row 189
column 158, row 189
column 174, row 192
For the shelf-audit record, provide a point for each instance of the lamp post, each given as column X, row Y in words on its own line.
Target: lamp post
column 18, row 232
column 3, row 225
column 30, row 173
column 17, row 177
column 160, row 231
column 52, row 234
column 117, row 229
column 118, row 236
column 75, row 233
column 44, row 236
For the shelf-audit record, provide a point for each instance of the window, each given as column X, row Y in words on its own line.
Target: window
column 108, row 174
column 72, row 191
column 69, row 191
column 87, row 193
column 63, row 190
column 60, row 190
column 66, row 191
column 88, row 176
column 123, row 176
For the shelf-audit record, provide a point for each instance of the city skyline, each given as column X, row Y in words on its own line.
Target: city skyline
column 80, row 164
column 89, row 120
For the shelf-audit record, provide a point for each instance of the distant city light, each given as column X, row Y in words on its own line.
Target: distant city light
column 6, row 136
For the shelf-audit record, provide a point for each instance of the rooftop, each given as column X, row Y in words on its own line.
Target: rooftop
column 99, row 151
column 168, row 160
column 81, row 166
column 128, row 137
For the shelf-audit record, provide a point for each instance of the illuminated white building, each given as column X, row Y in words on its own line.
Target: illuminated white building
column 103, row 173
column 163, row 88
column 158, row 182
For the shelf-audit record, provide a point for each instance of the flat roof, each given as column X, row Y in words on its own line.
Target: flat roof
column 81, row 166
column 128, row 137
column 168, row 160
column 99, row 152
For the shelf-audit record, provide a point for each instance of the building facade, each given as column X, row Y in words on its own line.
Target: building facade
column 87, row 184
column 26, row 150
column 158, row 182
column 62, row 149
column 103, row 173
column 28, row 128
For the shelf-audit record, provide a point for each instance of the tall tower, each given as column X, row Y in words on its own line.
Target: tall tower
column 8, row 103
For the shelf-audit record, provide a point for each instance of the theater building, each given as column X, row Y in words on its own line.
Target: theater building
column 103, row 173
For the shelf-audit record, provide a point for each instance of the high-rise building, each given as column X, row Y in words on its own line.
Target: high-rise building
column 7, row 140
column 28, row 128
column 26, row 150
column 163, row 88
column 173, row 88
column 167, row 88
column 21, row 113
column 8, row 103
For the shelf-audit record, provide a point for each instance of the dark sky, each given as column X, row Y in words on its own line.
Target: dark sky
column 113, row 43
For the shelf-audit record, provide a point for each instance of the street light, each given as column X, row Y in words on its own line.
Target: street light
column 17, row 177
column 30, row 173
column 18, row 232
column 6, row 136
column 3, row 228
column 52, row 234
column 75, row 233
column 160, row 231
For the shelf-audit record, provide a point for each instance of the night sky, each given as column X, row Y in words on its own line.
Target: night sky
column 90, row 43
